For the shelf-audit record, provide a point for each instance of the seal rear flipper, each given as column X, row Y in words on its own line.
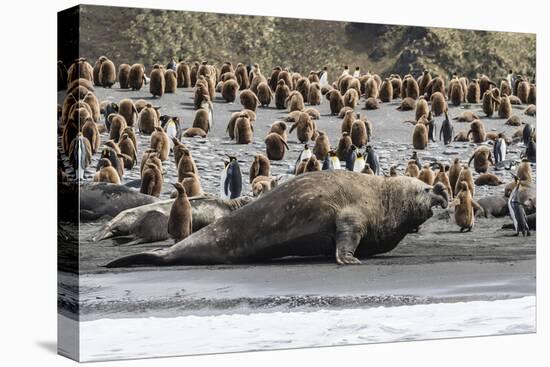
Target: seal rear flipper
column 141, row 259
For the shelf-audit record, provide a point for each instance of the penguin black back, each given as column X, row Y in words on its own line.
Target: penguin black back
column 234, row 181
column 372, row 159
column 447, row 130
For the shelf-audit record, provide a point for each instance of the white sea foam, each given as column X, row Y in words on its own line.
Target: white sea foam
column 147, row 337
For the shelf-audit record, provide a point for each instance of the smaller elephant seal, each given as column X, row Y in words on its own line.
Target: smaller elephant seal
column 465, row 208
column 482, row 157
column 260, row 167
column 488, row 179
column 497, row 206
column 104, row 199
column 275, row 146
column 180, row 220
column 149, row 222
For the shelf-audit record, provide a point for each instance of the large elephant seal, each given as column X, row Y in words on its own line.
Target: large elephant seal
column 204, row 210
column 340, row 213
column 104, row 199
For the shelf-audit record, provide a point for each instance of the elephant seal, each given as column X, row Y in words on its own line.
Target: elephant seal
column 204, row 210
column 339, row 213
column 104, row 199
column 497, row 206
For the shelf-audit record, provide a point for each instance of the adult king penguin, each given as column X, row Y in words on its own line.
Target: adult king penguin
column 231, row 180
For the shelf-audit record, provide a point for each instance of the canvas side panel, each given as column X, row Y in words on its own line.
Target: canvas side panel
column 67, row 202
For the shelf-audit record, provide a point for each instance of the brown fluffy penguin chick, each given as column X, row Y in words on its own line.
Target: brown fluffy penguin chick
column 107, row 173
column 443, row 178
column 186, row 164
column 161, row 143
column 180, row 221
column 127, row 147
column 151, row 180
column 367, row 170
column 322, row 146
column 412, row 169
column 192, row 184
column 426, row 174
column 464, row 208
column 275, row 146
column 260, row 167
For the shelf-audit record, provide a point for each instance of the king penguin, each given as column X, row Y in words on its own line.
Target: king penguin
column 359, row 163
column 231, row 179
column 499, row 149
column 372, row 159
column 305, row 154
column 351, row 157
column 447, row 130
column 332, row 161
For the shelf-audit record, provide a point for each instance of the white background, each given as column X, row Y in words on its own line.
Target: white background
column 28, row 176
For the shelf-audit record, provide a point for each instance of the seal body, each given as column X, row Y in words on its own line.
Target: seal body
column 354, row 215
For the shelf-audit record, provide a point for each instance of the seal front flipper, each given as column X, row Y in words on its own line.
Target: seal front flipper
column 349, row 231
